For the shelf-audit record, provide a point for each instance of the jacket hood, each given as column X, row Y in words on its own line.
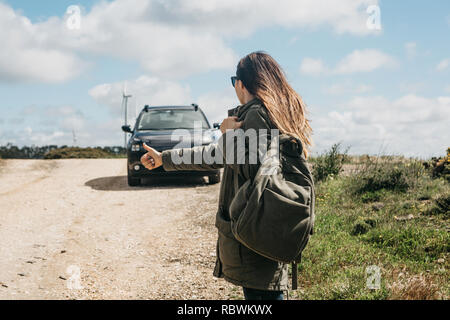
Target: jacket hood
column 238, row 110
column 290, row 145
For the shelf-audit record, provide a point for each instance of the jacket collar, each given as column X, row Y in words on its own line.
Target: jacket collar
column 238, row 110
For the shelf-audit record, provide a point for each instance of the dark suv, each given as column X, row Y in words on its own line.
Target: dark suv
column 156, row 127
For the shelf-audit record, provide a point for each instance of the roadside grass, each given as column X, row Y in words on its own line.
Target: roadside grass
column 393, row 216
column 10, row 151
column 81, row 153
column 330, row 163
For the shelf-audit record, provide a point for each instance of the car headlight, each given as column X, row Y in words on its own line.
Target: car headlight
column 135, row 147
column 216, row 134
column 207, row 140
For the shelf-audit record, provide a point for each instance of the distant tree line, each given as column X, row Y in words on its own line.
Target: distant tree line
column 11, row 151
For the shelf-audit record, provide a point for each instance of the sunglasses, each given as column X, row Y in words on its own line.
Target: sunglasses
column 233, row 80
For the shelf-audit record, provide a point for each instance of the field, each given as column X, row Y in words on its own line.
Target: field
column 71, row 222
column 388, row 213
column 61, row 219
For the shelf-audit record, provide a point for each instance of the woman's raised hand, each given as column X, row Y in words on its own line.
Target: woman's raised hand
column 230, row 123
column 152, row 159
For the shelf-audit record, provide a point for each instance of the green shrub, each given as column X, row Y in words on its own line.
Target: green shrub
column 393, row 233
column 363, row 225
column 77, row 153
column 410, row 242
column 11, row 151
column 441, row 205
column 440, row 167
column 378, row 177
column 372, row 196
column 330, row 163
column 384, row 178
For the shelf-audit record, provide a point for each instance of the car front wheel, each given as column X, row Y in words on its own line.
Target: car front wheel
column 133, row 182
column 214, row 179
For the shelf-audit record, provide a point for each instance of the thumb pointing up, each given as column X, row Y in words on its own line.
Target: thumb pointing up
column 152, row 159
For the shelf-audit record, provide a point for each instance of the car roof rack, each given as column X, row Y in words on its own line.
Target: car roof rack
column 193, row 105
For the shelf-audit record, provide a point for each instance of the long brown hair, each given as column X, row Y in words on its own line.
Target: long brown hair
column 264, row 78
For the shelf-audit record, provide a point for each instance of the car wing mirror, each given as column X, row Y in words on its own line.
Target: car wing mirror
column 216, row 125
column 127, row 129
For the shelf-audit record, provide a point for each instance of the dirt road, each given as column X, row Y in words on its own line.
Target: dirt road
column 73, row 229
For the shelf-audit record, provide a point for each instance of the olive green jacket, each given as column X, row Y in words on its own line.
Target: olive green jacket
column 235, row 262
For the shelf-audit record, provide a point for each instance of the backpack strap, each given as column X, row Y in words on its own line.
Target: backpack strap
column 236, row 181
column 294, row 263
column 294, row 275
column 295, row 272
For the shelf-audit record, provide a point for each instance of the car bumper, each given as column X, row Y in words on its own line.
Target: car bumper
column 143, row 172
column 134, row 162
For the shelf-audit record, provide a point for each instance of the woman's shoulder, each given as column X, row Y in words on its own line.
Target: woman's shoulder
column 257, row 117
column 260, row 110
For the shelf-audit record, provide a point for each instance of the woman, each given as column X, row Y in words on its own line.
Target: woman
column 267, row 102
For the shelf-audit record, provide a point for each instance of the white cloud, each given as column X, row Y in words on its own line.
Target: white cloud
column 49, row 125
column 43, row 138
column 235, row 17
column 216, row 104
column 25, row 57
column 293, row 40
column 412, row 87
column 28, row 137
column 347, row 88
column 145, row 90
column 155, row 91
column 411, row 50
column 443, row 65
column 364, row 61
column 125, row 30
column 168, row 39
column 411, row 125
column 312, row 66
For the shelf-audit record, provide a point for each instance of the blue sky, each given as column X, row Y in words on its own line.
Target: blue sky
column 376, row 91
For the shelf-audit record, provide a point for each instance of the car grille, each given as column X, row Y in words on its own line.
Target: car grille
column 161, row 148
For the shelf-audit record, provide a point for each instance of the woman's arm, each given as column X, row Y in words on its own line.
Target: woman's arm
column 192, row 159
column 198, row 158
column 255, row 120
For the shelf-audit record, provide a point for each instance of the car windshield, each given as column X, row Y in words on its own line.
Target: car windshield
column 171, row 120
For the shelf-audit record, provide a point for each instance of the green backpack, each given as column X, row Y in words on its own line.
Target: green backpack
column 273, row 214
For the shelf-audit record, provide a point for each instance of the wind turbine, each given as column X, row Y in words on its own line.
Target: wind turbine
column 74, row 136
column 125, row 98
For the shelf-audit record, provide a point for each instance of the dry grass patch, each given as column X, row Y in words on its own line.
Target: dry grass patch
column 413, row 287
